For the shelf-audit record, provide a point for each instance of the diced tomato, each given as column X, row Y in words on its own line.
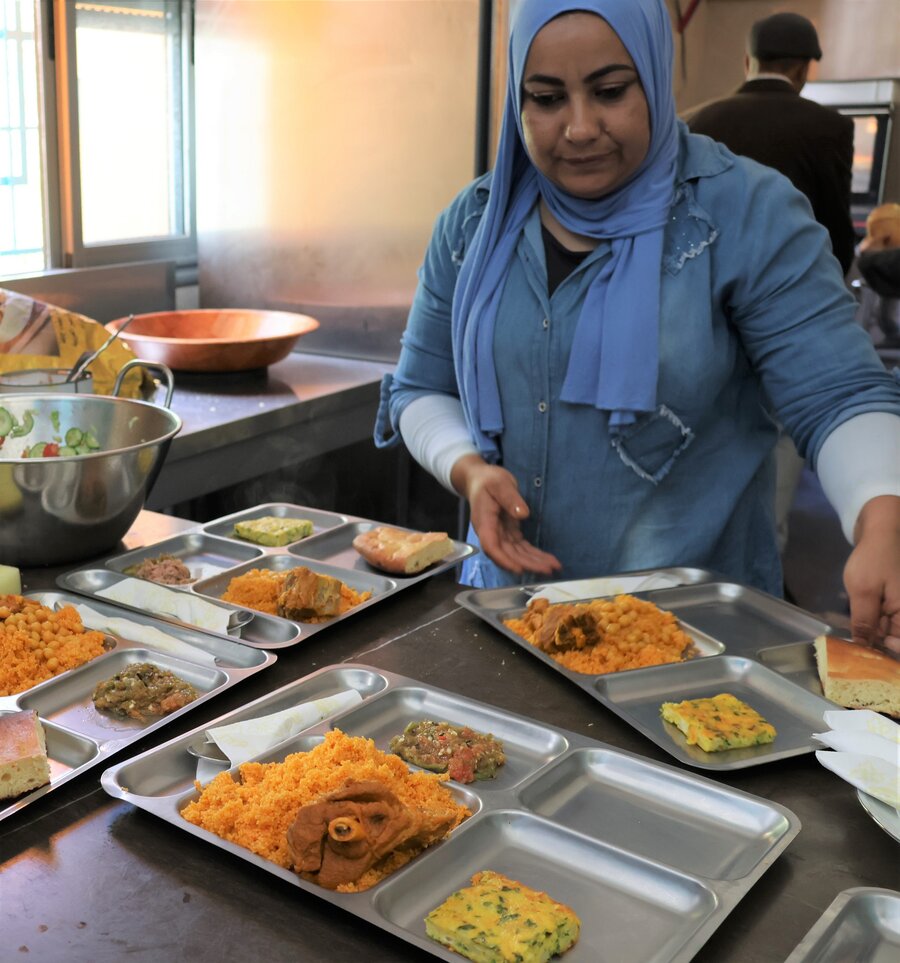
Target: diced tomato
column 51, row 450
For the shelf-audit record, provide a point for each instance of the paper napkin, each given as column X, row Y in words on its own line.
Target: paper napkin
column 866, row 752
column 176, row 604
column 587, row 588
column 241, row 741
column 147, row 634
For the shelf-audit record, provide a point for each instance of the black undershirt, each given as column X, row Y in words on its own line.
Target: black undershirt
column 561, row 262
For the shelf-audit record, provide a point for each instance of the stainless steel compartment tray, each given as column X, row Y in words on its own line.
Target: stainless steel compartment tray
column 260, row 631
column 218, row 556
column 795, row 713
column 78, row 735
column 725, row 620
column 743, row 618
column 331, row 541
column 862, row 924
column 651, row 858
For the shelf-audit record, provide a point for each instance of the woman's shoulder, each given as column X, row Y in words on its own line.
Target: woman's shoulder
column 471, row 200
column 457, row 222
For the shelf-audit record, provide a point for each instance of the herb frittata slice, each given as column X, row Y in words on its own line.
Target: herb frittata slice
column 498, row 920
column 272, row 531
column 722, row 722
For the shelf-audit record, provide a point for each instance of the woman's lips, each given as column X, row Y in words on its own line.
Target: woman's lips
column 587, row 161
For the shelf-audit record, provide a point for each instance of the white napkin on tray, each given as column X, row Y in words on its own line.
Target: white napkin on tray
column 146, row 634
column 159, row 600
column 589, row 588
column 241, row 741
column 866, row 752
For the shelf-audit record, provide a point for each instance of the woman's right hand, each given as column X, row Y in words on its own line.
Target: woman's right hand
column 496, row 508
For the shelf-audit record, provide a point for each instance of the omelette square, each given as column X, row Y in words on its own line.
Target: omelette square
column 499, row 920
column 718, row 723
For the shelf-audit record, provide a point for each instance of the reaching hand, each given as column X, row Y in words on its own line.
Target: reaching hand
column 496, row 509
column 872, row 574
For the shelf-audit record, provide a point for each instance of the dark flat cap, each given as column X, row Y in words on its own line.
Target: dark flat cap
column 784, row 36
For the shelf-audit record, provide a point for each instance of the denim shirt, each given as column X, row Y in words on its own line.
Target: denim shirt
column 755, row 325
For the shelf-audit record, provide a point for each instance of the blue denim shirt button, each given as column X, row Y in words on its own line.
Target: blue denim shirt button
column 538, row 482
column 545, row 323
column 542, row 406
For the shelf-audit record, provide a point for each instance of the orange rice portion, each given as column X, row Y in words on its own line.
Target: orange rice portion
column 257, row 810
column 37, row 643
column 259, row 589
column 634, row 634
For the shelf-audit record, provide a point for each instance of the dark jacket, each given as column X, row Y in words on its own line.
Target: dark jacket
column 811, row 145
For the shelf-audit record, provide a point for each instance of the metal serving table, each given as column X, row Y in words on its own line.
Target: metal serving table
column 84, row 877
column 242, row 425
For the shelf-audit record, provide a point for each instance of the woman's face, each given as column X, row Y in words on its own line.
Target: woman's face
column 584, row 113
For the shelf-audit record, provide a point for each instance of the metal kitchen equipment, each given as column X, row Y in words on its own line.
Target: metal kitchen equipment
column 215, row 555
column 31, row 380
column 651, row 858
column 79, row 736
column 873, row 107
column 739, row 634
column 65, row 509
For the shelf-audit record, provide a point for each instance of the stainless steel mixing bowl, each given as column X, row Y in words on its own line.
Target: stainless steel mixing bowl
column 68, row 509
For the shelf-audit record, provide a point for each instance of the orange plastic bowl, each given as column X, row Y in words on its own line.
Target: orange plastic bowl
column 215, row 339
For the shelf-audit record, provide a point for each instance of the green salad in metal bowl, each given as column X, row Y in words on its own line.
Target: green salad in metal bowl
column 75, row 441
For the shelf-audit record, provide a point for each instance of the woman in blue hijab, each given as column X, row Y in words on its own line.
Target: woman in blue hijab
column 603, row 319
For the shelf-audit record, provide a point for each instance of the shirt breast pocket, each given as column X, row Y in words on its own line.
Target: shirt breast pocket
column 652, row 445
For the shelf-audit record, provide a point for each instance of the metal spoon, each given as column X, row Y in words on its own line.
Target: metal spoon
column 87, row 358
column 203, row 749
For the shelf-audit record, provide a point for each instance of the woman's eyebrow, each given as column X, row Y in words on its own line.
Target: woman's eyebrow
column 596, row 75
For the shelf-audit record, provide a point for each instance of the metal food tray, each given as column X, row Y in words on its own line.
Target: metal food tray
column 886, row 816
column 747, row 645
column 651, row 858
column 78, row 735
column 219, row 556
column 862, row 924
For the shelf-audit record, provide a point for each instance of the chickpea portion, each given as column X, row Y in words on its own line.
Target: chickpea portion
column 37, row 643
column 605, row 635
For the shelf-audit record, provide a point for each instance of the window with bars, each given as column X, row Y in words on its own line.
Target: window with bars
column 95, row 133
column 21, row 177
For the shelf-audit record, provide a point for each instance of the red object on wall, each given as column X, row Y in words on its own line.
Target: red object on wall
column 685, row 18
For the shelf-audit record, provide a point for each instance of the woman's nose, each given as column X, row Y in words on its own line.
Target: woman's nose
column 581, row 124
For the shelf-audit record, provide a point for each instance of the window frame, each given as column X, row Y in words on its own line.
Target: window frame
column 66, row 247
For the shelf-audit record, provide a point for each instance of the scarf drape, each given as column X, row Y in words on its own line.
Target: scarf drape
column 614, row 360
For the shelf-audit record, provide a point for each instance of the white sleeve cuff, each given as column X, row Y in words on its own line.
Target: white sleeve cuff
column 435, row 432
column 858, row 461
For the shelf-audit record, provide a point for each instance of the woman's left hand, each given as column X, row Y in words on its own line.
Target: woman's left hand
column 872, row 574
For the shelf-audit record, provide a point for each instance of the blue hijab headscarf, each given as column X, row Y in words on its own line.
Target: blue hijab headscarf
column 614, row 359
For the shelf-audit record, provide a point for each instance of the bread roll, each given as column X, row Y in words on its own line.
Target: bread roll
column 400, row 551
column 858, row 677
column 23, row 754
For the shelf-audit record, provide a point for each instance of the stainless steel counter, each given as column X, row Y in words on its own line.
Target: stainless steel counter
column 242, row 425
column 89, row 879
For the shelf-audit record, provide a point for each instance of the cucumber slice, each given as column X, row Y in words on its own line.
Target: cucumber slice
column 90, row 440
column 66, row 450
column 74, row 437
column 6, row 422
column 82, row 450
column 37, row 450
column 26, row 425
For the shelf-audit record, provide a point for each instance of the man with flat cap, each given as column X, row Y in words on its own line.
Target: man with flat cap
column 768, row 121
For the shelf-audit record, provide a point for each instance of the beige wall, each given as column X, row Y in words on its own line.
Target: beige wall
column 859, row 39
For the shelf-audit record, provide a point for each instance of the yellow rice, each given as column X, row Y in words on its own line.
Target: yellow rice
column 257, row 811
